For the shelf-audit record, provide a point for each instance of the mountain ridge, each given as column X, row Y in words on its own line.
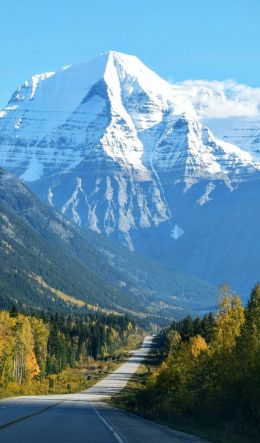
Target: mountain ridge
column 48, row 262
column 121, row 151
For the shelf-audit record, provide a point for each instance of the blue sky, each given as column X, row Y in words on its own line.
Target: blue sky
column 184, row 39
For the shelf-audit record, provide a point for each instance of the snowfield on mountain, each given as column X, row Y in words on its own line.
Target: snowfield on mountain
column 127, row 154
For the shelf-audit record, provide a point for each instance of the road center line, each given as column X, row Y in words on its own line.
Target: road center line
column 25, row 417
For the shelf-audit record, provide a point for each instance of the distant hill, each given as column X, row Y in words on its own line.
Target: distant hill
column 47, row 262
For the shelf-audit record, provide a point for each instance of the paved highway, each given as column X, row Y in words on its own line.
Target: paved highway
column 84, row 417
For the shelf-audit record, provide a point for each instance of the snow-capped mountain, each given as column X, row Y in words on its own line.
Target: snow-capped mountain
column 231, row 110
column 121, row 151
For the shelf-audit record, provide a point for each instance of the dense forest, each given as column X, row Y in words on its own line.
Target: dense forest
column 210, row 376
column 47, row 262
column 32, row 349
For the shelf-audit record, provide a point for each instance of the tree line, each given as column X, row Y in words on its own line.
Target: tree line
column 211, row 374
column 33, row 347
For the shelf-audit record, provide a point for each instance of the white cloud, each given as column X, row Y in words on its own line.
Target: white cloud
column 220, row 99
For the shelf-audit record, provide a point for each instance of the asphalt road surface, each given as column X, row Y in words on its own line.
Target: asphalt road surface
column 84, row 417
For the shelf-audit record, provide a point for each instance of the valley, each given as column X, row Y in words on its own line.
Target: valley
column 129, row 205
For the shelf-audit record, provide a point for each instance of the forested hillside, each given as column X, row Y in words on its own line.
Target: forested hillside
column 48, row 262
column 33, row 349
column 209, row 379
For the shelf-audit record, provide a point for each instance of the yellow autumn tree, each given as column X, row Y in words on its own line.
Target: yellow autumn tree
column 197, row 346
column 25, row 366
column 228, row 324
column 40, row 332
column 6, row 347
column 32, row 366
column 173, row 385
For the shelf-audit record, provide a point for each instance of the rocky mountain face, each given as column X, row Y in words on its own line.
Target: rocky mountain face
column 47, row 262
column 123, row 152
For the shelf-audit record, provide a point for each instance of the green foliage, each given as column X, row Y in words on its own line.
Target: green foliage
column 33, row 349
column 210, row 376
column 47, row 262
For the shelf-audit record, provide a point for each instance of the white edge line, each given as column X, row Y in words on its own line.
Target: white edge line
column 108, row 426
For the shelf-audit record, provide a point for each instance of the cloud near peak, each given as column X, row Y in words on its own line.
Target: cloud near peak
column 221, row 99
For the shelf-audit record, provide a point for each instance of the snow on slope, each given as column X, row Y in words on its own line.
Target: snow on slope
column 241, row 131
column 231, row 110
column 69, row 100
column 103, row 141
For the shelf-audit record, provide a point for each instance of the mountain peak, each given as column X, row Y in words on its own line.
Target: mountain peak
column 118, row 55
column 121, row 151
column 106, row 137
